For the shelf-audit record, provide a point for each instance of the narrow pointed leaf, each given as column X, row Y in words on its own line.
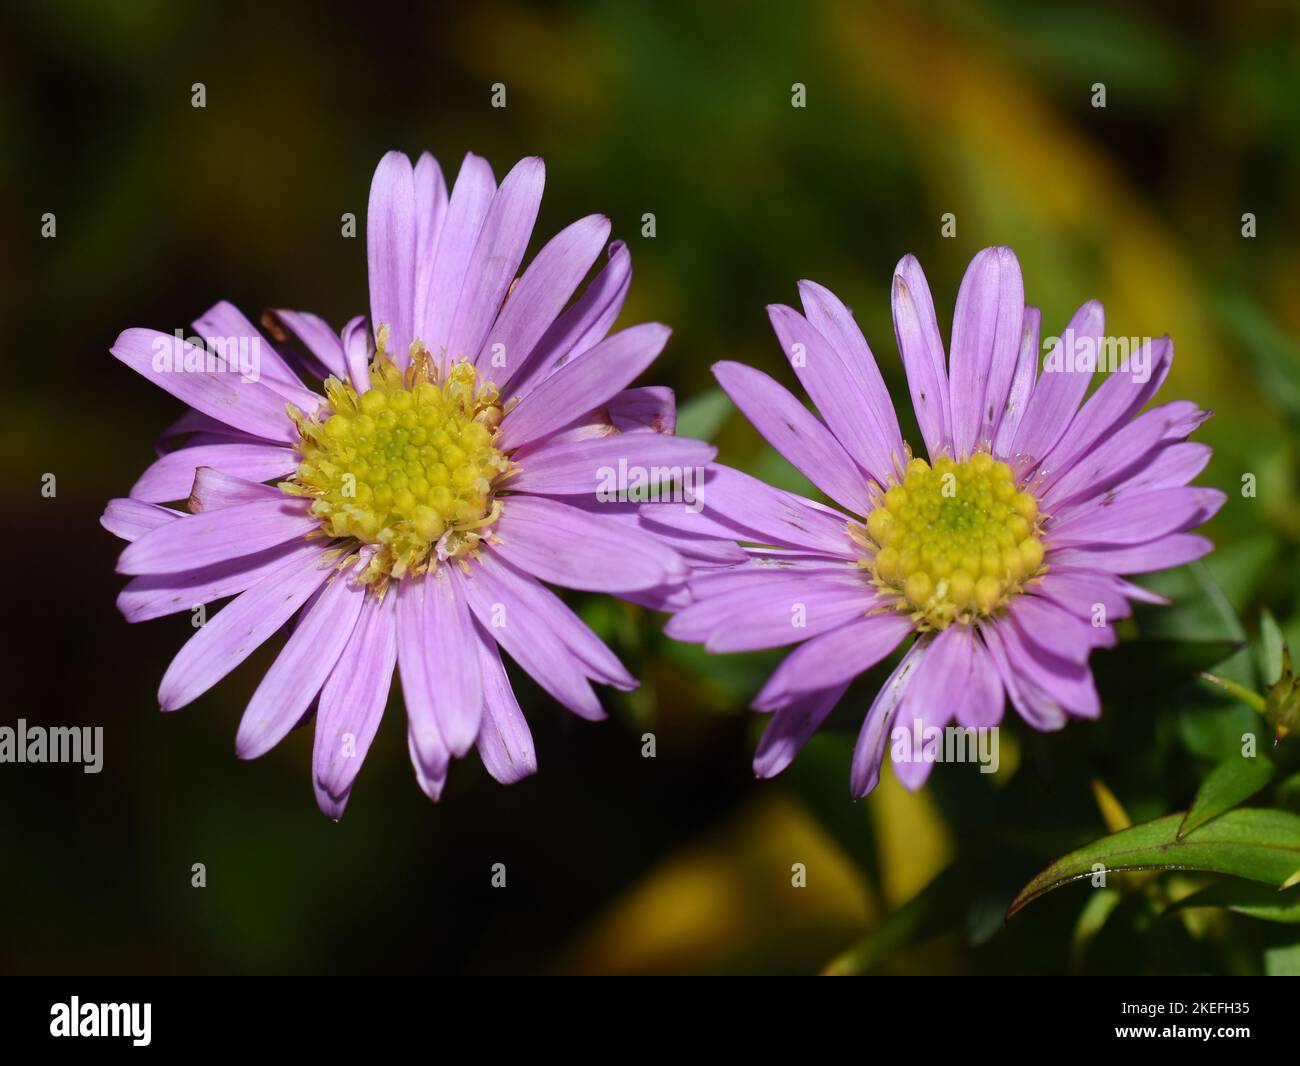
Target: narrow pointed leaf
column 1270, row 647
column 702, row 416
column 1092, row 919
column 933, row 910
column 1233, row 781
column 1253, row 700
column 1260, row 845
column 1246, row 897
column 1283, row 960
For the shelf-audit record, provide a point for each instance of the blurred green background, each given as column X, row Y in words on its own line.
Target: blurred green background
column 618, row 863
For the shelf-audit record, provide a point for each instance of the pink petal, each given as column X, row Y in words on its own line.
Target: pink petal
column 986, row 335
column 837, row 393
column 580, row 549
column 316, row 336
column 301, row 668
column 132, row 519
column 834, row 657
column 157, row 595
column 983, row 702
column 246, row 405
column 391, row 224
column 224, row 323
column 541, row 294
column 648, row 409
column 1138, row 518
column 358, row 350
column 351, row 705
column 791, row 727
column 214, row 490
column 869, row 751
column 582, row 468
column 1116, row 400
column 505, row 743
column 1159, row 554
column 1022, row 384
column 1034, row 705
column 835, row 322
column 497, row 255
column 583, row 325
column 582, row 384
column 1058, row 392
column 506, row 608
column 199, row 540
column 466, row 209
column 921, row 348
column 786, row 608
column 241, row 627
column 740, row 507
column 933, row 697
column 429, row 752
column 797, row 434
column 450, row 661
column 430, row 217
column 172, row 476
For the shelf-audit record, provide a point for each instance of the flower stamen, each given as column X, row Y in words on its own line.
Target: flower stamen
column 953, row 542
column 407, row 467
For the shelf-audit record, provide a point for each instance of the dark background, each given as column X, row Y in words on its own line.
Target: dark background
column 618, row 863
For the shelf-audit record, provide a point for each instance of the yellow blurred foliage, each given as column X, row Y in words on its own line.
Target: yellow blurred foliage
column 1014, row 171
column 728, row 903
column 912, row 838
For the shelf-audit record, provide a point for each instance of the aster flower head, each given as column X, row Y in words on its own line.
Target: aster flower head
column 406, row 514
column 999, row 556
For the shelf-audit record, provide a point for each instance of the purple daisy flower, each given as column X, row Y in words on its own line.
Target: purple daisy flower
column 445, row 470
column 1001, row 555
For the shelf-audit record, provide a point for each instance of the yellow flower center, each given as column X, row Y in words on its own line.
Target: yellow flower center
column 407, row 466
column 953, row 542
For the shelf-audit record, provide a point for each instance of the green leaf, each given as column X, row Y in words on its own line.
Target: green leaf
column 1283, row 961
column 1241, row 569
column 1287, row 794
column 1200, row 611
column 1253, row 700
column 1270, row 647
column 1210, row 732
column 1246, row 897
column 1261, row 845
column 1277, row 361
column 930, row 912
column 702, row 416
column 1100, row 906
column 1233, row 781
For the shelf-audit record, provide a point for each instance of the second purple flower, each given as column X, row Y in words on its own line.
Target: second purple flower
column 1001, row 555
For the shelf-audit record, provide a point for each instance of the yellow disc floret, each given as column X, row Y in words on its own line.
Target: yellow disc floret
column 952, row 542
column 407, row 467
